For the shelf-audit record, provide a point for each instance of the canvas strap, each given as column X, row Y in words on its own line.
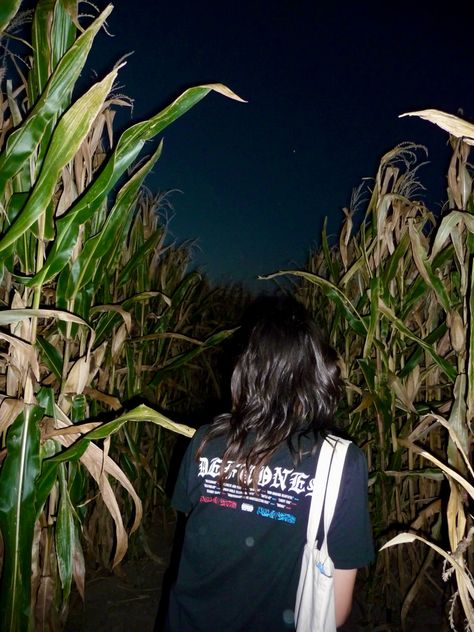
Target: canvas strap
column 328, row 478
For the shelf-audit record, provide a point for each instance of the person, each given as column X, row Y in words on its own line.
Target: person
column 246, row 480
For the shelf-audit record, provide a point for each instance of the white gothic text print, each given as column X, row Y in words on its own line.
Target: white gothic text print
column 278, row 478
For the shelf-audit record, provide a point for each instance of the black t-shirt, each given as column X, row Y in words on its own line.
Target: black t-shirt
column 241, row 556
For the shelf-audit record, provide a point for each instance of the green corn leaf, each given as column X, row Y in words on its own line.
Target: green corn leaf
column 134, row 449
column 359, row 263
column 400, row 251
column 374, row 299
column 67, row 138
column 417, row 356
column 138, row 257
column 413, row 295
column 22, row 142
column 334, row 273
column 331, row 291
column 8, row 10
column 79, row 407
column 41, row 43
column 368, row 369
column 18, row 478
column 131, row 372
column 92, row 259
column 63, row 32
column 124, row 200
column 44, row 485
column 127, row 149
column 64, row 535
column 187, row 356
column 140, row 413
column 449, row 370
column 45, row 399
column 51, row 356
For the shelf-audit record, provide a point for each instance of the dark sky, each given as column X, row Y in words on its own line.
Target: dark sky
column 325, row 84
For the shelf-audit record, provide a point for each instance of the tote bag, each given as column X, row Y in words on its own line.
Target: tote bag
column 314, row 609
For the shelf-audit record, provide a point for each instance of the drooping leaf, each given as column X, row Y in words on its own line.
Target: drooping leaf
column 332, row 291
column 127, row 149
column 140, row 413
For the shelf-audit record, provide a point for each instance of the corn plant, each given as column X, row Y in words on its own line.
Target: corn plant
column 75, row 307
column 395, row 296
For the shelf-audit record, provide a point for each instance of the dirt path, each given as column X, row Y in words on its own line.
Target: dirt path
column 127, row 599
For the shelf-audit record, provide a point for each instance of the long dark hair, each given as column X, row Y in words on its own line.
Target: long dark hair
column 286, row 384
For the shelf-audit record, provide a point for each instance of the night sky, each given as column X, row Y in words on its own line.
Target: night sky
column 325, row 84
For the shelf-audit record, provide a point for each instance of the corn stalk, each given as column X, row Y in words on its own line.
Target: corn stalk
column 74, row 303
column 397, row 302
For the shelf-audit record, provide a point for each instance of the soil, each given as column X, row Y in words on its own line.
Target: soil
column 129, row 598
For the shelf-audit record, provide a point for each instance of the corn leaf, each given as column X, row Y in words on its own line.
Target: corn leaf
column 453, row 124
column 424, row 267
column 128, row 147
column 22, row 142
column 331, row 291
column 93, row 256
column 10, row 316
column 67, row 137
column 448, row 368
column 374, row 299
column 140, row 413
column 187, row 356
column 51, row 356
column 8, row 10
column 65, row 535
column 17, row 517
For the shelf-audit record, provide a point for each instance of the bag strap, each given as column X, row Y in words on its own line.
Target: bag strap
column 328, row 477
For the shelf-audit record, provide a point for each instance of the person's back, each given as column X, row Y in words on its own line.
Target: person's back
column 246, row 483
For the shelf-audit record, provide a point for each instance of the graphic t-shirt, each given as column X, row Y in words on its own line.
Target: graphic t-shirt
column 241, row 555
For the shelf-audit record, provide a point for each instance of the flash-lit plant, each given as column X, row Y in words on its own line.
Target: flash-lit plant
column 93, row 306
column 397, row 297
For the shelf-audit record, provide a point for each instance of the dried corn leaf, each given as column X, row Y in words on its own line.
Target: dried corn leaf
column 453, row 124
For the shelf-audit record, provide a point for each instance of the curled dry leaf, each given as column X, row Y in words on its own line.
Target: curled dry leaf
column 100, row 466
column 224, row 90
column 9, row 410
column 450, row 123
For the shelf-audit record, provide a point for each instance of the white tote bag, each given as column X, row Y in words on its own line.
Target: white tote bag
column 314, row 609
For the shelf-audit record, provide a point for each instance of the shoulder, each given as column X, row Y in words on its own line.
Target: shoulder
column 202, row 433
column 355, row 463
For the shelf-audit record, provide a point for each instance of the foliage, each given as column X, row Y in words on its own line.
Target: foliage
column 96, row 311
column 396, row 296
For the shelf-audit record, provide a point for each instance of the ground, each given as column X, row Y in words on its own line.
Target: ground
column 128, row 599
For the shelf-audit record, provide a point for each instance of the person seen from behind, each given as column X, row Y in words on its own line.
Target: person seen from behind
column 246, row 481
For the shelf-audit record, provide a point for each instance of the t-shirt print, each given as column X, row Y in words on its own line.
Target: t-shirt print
column 280, row 489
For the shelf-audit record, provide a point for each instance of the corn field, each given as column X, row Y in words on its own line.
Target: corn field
column 103, row 327
column 99, row 315
column 395, row 295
